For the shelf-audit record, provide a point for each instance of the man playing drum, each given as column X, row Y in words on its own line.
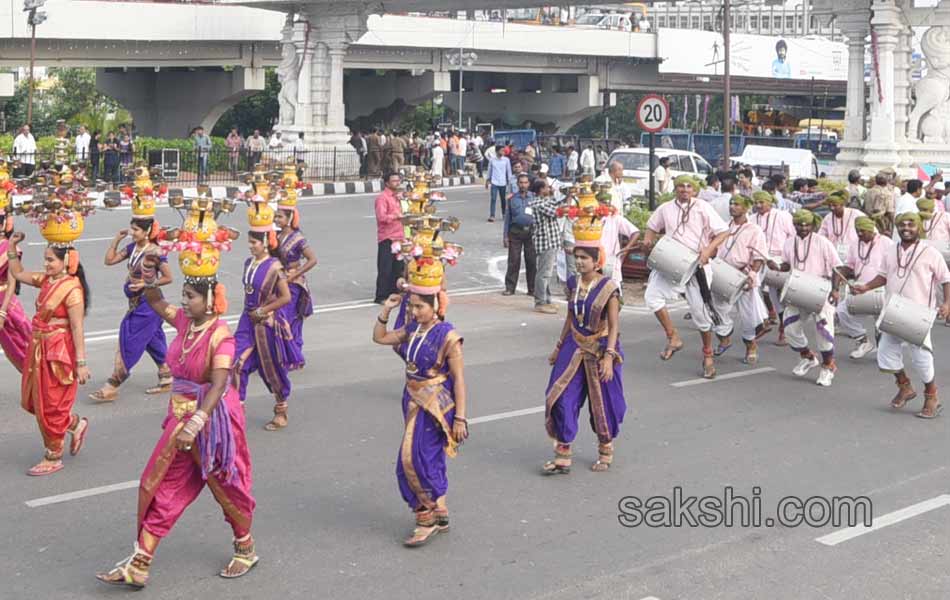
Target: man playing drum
column 693, row 223
column 936, row 226
column 914, row 271
column 838, row 225
column 814, row 255
column 862, row 264
column 745, row 250
column 777, row 226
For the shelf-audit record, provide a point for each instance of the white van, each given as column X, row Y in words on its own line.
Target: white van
column 798, row 162
column 636, row 169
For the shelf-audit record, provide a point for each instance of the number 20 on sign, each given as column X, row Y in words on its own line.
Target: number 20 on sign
column 653, row 113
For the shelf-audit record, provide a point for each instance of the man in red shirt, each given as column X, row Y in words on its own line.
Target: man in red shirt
column 389, row 229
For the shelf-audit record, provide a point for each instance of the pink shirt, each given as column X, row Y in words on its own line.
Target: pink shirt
column 841, row 231
column 866, row 259
column 614, row 227
column 814, row 255
column 388, row 217
column 692, row 225
column 777, row 227
column 938, row 228
column 745, row 245
column 918, row 283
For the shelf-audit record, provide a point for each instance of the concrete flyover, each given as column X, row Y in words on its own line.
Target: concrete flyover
column 181, row 65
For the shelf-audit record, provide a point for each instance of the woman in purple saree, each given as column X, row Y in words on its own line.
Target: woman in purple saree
column 433, row 406
column 588, row 365
column 264, row 340
column 297, row 257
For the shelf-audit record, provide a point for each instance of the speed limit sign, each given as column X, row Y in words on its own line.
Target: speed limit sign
column 653, row 113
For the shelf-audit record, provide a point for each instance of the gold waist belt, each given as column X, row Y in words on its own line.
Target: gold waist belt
column 183, row 405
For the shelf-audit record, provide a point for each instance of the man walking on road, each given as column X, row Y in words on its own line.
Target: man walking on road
column 517, row 237
column 388, row 230
column 498, row 178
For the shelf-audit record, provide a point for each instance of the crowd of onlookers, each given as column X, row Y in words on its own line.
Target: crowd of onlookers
column 106, row 155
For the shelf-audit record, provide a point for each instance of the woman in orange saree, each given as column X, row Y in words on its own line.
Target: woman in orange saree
column 203, row 440
column 55, row 363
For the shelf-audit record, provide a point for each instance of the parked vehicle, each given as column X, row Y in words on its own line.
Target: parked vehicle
column 519, row 138
column 794, row 162
column 636, row 167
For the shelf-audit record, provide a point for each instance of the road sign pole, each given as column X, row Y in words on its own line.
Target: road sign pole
column 652, row 169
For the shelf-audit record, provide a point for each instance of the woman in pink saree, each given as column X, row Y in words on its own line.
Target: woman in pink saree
column 15, row 328
column 203, row 440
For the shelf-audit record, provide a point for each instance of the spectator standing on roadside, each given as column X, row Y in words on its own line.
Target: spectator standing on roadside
column 94, row 156
column 499, row 177
column 234, row 142
column 573, row 160
column 110, row 159
column 546, row 237
column 602, row 159
column 462, row 147
column 556, row 164
column 517, row 233
column 24, row 150
column 82, row 144
column 588, row 161
column 255, row 148
column 275, row 147
column 126, row 151
column 202, row 150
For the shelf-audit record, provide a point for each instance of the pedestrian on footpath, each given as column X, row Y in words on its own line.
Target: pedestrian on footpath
column 587, row 360
column 913, row 270
column 863, row 263
column 573, row 161
column 433, row 399
column 498, row 179
column 813, row 254
column 389, row 230
column 518, row 238
column 546, row 236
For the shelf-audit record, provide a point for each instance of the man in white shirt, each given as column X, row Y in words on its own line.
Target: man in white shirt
column 82, row 143
column 24, row 150
column 572, row 161
column 721, row 204
column 588, row 161
column 463, row 150
column 276, row 147
column 663, row 177
column 619, row 189
column 908, row 202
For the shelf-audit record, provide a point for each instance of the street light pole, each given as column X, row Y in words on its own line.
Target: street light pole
column 461, row 85
column 726, row 89
column 29, row 99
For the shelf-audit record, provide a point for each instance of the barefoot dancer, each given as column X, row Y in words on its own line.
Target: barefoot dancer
column 203, row 442
column 141, row 329
column 264, row 340
column 695, row 224
column 434, row 398
column 55, row 362
column 914, row 270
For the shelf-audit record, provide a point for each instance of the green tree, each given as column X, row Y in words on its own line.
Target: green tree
column 259, row 111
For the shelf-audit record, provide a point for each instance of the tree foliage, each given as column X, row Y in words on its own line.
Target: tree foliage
column 259, row 111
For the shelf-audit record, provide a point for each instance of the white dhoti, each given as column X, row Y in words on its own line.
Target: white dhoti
column 749, row 310
column 661, row 291
column 850, row 325
column 890, row 357
column 824, row 328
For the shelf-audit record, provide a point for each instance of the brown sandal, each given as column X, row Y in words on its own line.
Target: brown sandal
column 605, row 457
column 78, row 433
column 709, row 370
column 934, row 411
column 280, row 417
column 670, row 349
column 427, row 527
column 105, row 394
column 905, row 393
column 132, row 571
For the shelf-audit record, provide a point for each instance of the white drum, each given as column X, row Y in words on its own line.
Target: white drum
column 805, row 291
column 775, row 279
column 942, row 247
column 674, row 260
column 728, row 282
column 907, row 320
column 868, row 303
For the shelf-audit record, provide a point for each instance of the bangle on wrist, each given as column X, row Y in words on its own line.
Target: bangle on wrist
column 382, row 321
column 462, row 420
column 80, row 362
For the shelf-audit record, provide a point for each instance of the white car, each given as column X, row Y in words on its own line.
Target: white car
column 636, row 169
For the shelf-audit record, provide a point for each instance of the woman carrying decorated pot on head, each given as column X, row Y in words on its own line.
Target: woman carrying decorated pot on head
column 203, row 442
column 55, row 363
column 141, row 329
column 15, row 328
column 587, row 359
column 295, row 254
column 265, row 342
column 434, row 397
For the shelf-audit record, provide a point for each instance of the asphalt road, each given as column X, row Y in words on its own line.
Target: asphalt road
column 329, row 520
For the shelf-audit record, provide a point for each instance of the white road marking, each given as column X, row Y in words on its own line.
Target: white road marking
column 507, row 415
column 735, row 375
column 126, row 485
column 96, row 491
column 849, row 533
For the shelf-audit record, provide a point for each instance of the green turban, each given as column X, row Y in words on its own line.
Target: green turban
column 762, row 196
column 926, row 207
column 914, row 218
column 684, row 180
column 865, row 224
column 806, row 217
column 742, row 199
column 836, row 198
